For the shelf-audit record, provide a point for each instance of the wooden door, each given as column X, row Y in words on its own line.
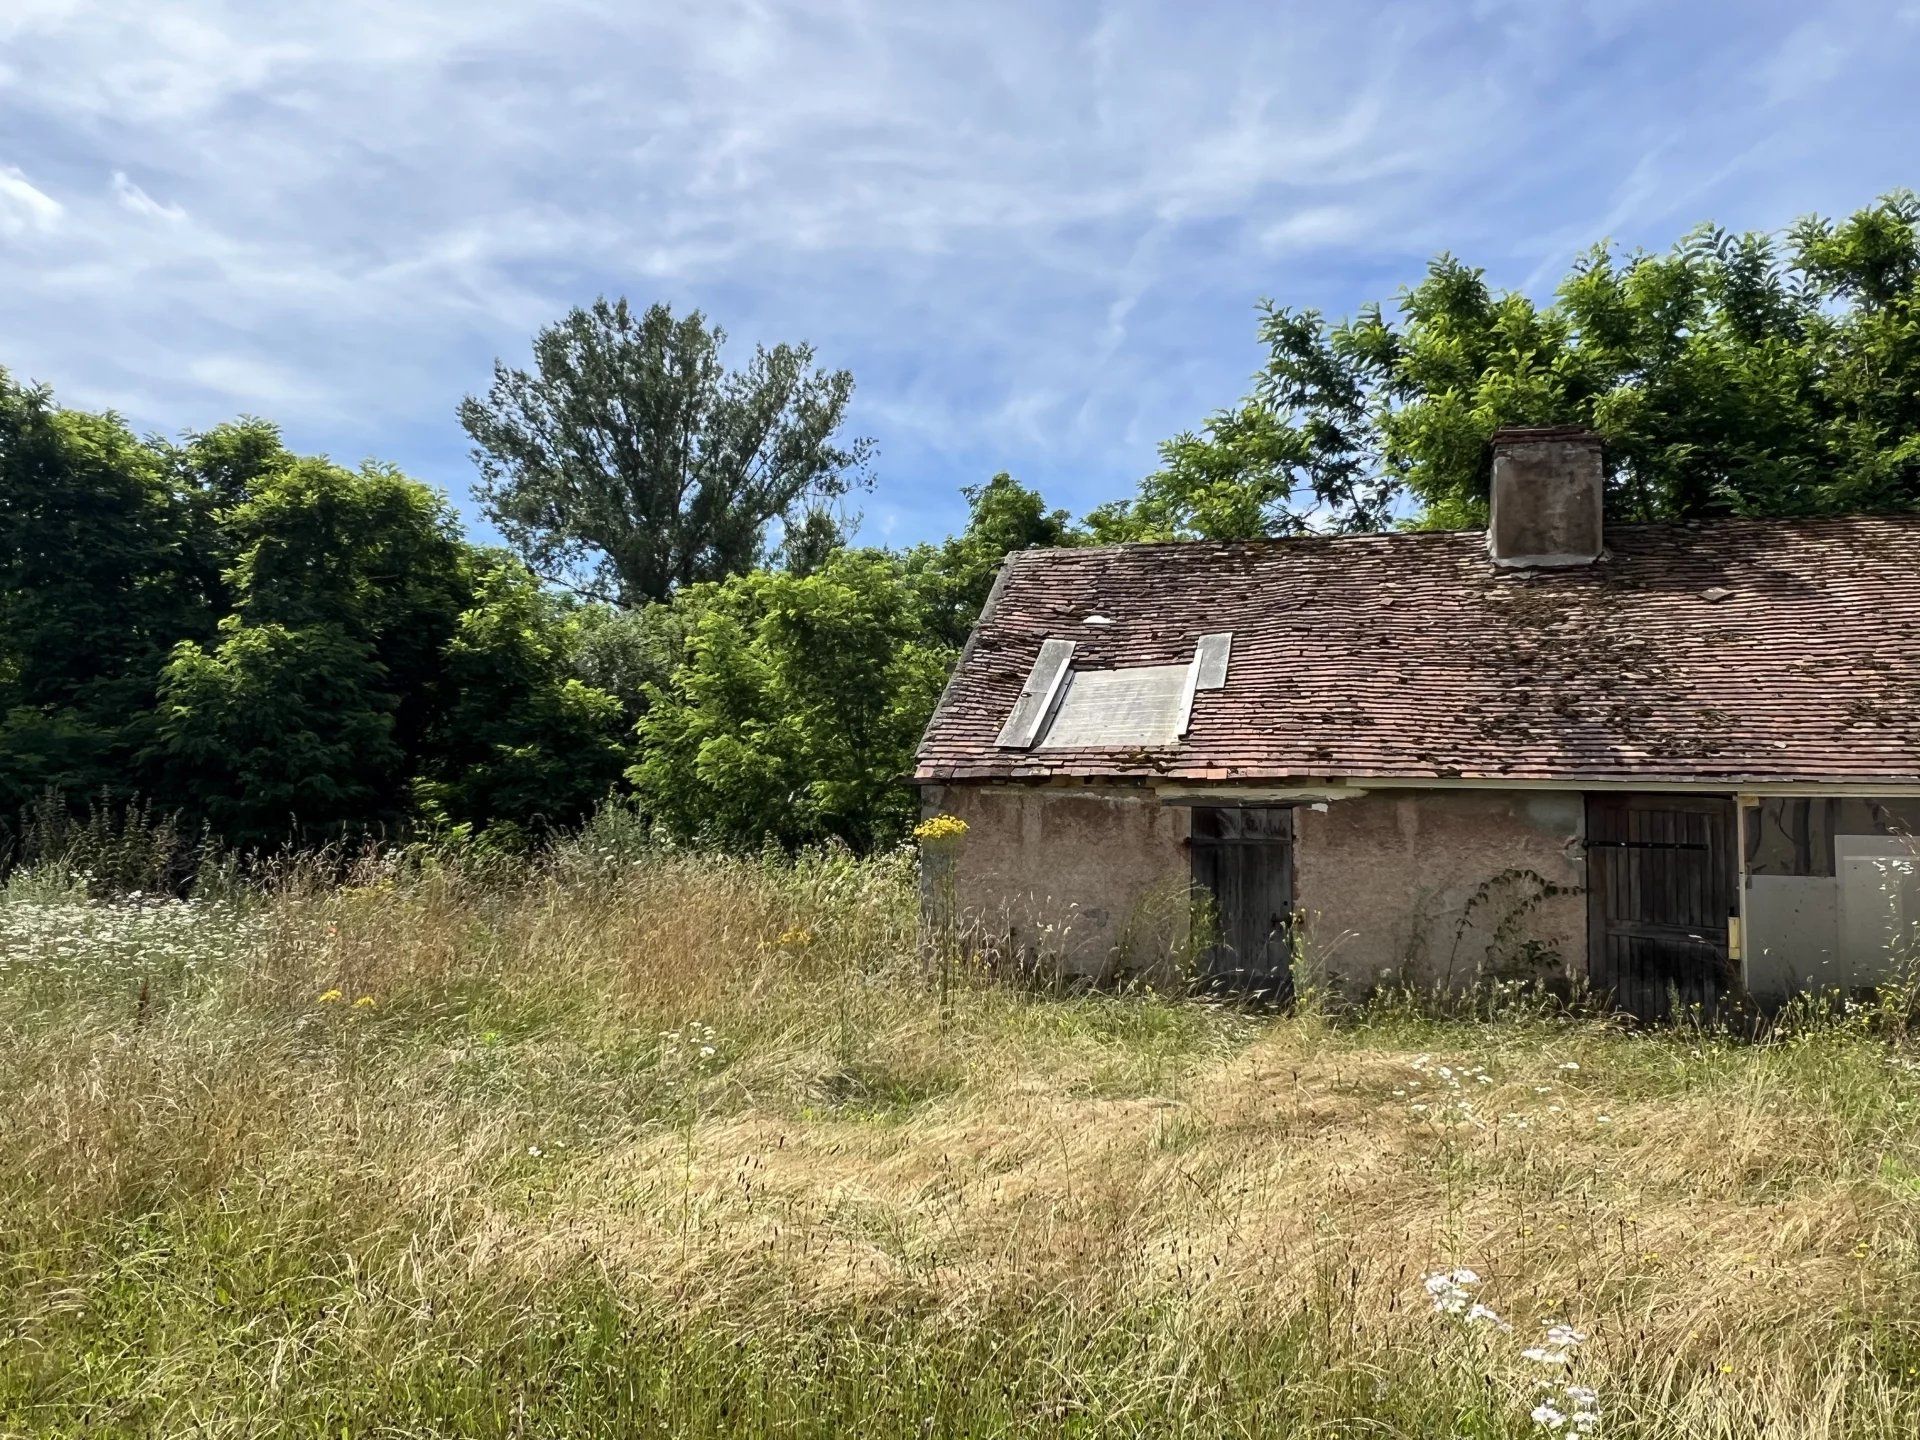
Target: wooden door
column 1243, row 867
column 1662, row 881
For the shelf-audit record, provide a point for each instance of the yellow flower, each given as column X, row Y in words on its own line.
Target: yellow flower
column 365, row 1002
column 797, row 936
column 331, row 997
column 940, row 827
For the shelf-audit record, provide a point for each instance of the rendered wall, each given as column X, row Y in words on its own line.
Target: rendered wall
column 1091, row 881
column 1429, row 885
column 1833, row 892
column 1437, row 886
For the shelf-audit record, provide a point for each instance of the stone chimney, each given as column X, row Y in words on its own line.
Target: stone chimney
column 1547, row 495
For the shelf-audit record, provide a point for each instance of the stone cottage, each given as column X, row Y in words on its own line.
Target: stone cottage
column 1673, row 760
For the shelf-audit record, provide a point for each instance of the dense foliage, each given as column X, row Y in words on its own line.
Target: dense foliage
column 1736, row 374
column 277, row 649
column 797, row 708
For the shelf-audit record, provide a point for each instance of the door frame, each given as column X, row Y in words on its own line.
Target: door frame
column 1721, row 807
column 1280, row 842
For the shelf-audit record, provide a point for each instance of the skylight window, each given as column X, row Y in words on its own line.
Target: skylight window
column 1138, row 705
column 1061, row 708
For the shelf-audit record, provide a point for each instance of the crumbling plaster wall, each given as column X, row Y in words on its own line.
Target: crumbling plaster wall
column 1092, row 881
column 1097, row 879
column 1385, row 880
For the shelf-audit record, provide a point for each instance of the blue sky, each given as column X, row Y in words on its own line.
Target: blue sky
column 1034, row 232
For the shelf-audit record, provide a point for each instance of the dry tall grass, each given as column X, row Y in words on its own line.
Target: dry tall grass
column 693, row 1146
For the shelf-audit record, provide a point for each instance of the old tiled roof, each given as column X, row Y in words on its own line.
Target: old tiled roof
column 1771, row 650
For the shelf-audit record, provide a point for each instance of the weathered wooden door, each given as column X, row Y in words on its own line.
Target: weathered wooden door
column 1662, row 881
column 1243, row 871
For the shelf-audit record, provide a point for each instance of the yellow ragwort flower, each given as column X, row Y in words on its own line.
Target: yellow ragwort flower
column 940, row 827
column 365, row 1002
column 331, row 997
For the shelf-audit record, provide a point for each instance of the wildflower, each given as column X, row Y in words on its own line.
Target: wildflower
column 1568, row 1065
column 365, row 1002
column 535, row 1151
column 1478, row 1314
column 1603, row 1119
column 1562, row 1341
column 938, row 828
column 331, row 997
column 1451, row 1292
column 1545, row 1414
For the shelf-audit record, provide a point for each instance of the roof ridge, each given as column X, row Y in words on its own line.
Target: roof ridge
column 1409, row 537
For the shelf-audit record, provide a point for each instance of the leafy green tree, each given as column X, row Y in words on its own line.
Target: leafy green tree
column 347, row 589
column 811, row 541
column 281, row 733
column 95, row 588
column 370, row 552
column 214, row 473
column 955, row 577
column 626, row 653
column 1745, row 375
column 796, row 710
column 282, row 648
column 630, row 462
column 523, row 743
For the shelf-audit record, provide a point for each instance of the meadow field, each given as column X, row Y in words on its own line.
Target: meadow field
column 626, row 1142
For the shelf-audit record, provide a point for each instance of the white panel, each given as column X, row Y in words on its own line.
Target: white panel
column 1137, row 705
column 1037, row 695
column 1879, row 907
column 1793, row 934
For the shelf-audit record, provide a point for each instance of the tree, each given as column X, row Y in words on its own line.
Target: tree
column 95, row 587
column 955, row 576
column 631, row 462
column 1745, row 375
column 281, row 733
column 281, row 648
column 306, row 717
column 796, row 709
column 811, row 541
column 522, row 744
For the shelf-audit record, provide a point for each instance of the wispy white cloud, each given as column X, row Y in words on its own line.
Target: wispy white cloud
column 1812, row 56
column 141, row 203
column 24, row 206
column 256, row 384
column 1035, row 236
column 1316, row 226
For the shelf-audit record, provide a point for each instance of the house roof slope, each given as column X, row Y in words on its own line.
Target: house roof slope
column 1769, row 650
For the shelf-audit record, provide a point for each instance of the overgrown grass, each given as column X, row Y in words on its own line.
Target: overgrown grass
column 683, row 1145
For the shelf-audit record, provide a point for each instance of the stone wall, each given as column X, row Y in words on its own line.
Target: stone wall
column 1427, row 885
column 1435, row 886
column 1093, row 882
